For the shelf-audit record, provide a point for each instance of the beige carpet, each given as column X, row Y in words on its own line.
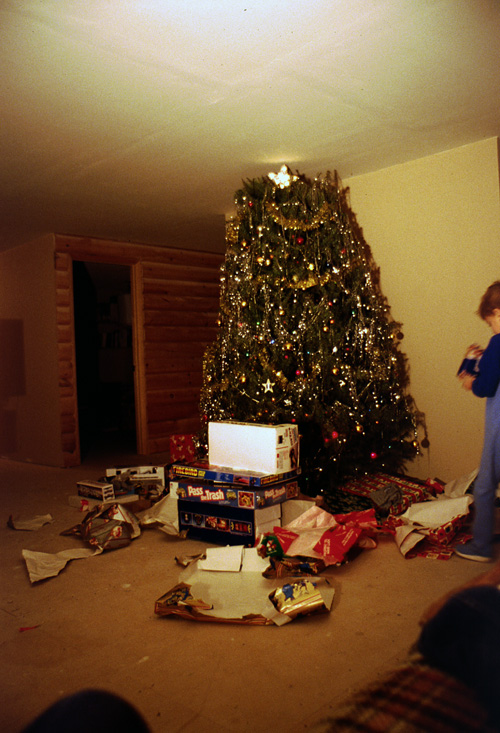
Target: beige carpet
column 95, row 626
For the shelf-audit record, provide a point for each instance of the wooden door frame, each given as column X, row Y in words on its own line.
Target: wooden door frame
column 111, row 253
column 137, row 301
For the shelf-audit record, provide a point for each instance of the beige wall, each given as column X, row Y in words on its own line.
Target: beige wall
column 433, row 226
column 29, row 404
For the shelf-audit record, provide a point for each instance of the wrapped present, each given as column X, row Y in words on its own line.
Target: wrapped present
column 182, row 448
column 297, row 598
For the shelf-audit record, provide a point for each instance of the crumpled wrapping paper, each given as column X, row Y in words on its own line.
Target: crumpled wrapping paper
column 107, row 527
column 319, row 534
column 431, row 518
column 163, row 515
column 29, row 523
column 43, row 565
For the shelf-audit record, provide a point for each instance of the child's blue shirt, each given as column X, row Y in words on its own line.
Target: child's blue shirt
column 486, row 382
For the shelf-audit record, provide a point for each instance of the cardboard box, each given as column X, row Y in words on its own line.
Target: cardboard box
column 237, row 496
column 267, row 527
column 225, row 525
column 96, row 490
column 86, row 503
column 253, row 447
column 146, row 476
column 202, row 470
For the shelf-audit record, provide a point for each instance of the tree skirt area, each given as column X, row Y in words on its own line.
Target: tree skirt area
column 442, row 522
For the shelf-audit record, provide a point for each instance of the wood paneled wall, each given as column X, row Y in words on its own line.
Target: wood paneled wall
column 175, row 301
column 180, row 307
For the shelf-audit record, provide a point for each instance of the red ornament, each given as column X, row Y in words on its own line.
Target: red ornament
column 300, row 240
column 335, row 435
column 373, row 456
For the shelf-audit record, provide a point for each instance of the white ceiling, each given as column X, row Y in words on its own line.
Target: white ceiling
column 138, row 119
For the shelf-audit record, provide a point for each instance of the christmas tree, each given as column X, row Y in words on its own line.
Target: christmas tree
column 306, row 336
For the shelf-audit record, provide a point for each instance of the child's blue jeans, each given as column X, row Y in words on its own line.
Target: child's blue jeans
column 486, row 485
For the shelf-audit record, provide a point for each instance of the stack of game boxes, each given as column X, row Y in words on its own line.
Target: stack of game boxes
column 237, row 494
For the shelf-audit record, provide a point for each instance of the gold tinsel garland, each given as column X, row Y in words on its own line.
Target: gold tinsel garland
column 289, row 222
column 323, row 215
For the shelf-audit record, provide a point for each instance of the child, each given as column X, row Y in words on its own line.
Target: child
column 484, row 383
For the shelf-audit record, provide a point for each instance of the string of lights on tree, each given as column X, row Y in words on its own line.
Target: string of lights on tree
column 305, row 334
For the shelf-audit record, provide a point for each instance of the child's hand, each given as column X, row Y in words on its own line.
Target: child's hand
column 467, row 380
column 473, row 352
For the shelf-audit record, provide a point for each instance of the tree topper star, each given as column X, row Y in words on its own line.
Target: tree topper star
column 283, row 178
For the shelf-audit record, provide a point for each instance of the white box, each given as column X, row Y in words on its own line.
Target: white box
column 253, row 447
column 266, row 527
column 268, row 514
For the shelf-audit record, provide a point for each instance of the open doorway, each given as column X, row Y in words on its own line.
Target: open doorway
column 104, row 357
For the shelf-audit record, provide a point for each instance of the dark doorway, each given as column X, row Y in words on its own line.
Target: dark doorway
column 104, row 357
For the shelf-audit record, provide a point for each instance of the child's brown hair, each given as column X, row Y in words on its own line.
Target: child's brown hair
column 490, row 301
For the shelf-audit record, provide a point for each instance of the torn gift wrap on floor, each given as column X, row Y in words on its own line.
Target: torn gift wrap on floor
column 317, row 534
column 107, row 527
column 437, row 520
column 242, row 596
column 104, row 528
column 43, row 565
column 460, row 486
column 163, row 515
column 29, row 523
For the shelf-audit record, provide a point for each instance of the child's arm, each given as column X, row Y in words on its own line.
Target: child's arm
column 486, row 382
